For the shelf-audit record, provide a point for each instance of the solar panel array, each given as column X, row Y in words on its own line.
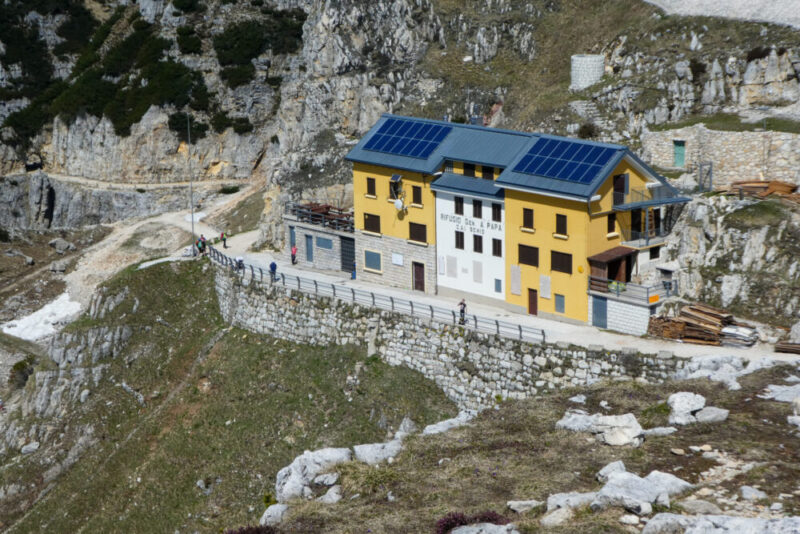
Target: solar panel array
column 565, row 160
column 403, row 137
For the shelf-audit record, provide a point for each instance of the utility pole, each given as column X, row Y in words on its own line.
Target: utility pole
column 188, row 167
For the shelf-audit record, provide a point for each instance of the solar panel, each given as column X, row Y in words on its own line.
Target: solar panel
column 565, row 160
column 407, row 137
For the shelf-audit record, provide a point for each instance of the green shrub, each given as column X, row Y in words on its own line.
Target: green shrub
column 189, row 6
column 759, row 52
column 282, row 31
column 20, row 372
column 177, row 123
column 241, row 125
column 238, row 75
column 76, row 30
column 188, row 41
column 588, row 130
column 698, row 68
column 122, row 57
column 4, row 237
column 229, row 189
column 89, row 93
column 274, row 82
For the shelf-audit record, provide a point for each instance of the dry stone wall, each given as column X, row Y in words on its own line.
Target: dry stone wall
column 735, row 155
column 473, row 369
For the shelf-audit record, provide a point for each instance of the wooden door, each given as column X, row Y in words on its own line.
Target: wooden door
column 600, row 312
column 418, row 274
column 533, row 302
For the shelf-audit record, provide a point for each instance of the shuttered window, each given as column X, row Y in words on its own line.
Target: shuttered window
column 372, row 223
column 469, row 169
column 371, row 186
column 527, row 218
column 417, row 232
column 416, row 194
column 459, row 240
column 497, row 248
column 529, row 255
column 612, row 223
column 459, row 205
column 497, row 212
column 477, row 243
column 477, row 208
column 561, row 224
column 487, row 173
column 561, row 262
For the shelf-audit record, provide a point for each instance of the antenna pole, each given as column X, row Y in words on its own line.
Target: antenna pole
column 191, row 188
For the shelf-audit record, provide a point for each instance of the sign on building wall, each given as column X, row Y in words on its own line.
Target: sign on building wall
column 516, row 280
column 397, row 259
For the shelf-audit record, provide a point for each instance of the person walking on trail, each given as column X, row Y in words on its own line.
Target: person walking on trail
column 294, row 254
column 240, row 263
column 462, row 311
column 273, row 271
column 199, row 245
column 224, row 238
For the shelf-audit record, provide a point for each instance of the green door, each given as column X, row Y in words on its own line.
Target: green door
column 680, row 153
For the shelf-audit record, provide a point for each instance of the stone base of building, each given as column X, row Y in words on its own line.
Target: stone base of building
column 330, row 250
column 627, row 317
column 401, row 263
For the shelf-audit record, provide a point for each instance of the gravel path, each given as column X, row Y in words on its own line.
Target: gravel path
column 784, row 12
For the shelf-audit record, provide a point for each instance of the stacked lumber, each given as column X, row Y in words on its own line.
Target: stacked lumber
column 785, row 346
column 703, row 325
column 762, row 189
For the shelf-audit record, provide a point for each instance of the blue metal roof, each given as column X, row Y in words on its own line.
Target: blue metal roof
column 539, row 163
column 457, row 183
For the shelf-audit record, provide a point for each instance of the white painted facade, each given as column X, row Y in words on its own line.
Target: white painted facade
column 465, row 270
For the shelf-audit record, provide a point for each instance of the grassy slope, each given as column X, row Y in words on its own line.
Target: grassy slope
column 516, row 453
column 279, row 398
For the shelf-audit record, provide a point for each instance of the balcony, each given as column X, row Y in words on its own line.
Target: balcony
column 644, row 238
column 320, row 215
column 657, row 195
column 638, row 294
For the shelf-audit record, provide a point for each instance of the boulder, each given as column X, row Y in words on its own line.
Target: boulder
column 725, row 369
column 629, row 519
column 28, row 448
column 749, row 493
column 660, row 431
column 683, row 405
column 711, row 414
column 406, row 428
column 581, row 399
column 327, row 479
column 293, row 480
column 613, row 467
column 637, row 494
column 332, row 496
column 523, row 506
column 61, row 245
column 794, row 334
column 556, row 517
column 485, row 528
column 613, row 430
column 59, row 266
column 273, row 515
column 782, row 393
column 793, row 420
column 448, row 424
column 720, row 524
column 569, row 500
column 698, row 506
column 375, row 453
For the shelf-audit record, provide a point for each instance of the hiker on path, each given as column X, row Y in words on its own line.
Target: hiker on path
column 294, row 254
column 462, row 311
column 273, row 271
column 240, row 263
column 199, row 245
column 224, row 237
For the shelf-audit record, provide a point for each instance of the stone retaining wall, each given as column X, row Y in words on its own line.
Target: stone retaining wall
column 473, row 369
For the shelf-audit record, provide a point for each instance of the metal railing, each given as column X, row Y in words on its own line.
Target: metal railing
column 321, row 215
column 380, row 301
column 659, row 192
column 650, row 236
column 636, row 292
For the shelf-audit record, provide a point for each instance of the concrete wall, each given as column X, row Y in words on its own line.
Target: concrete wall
column 625, row 317
column 735, row 155
column 323, row 258
column 466, row 270
column 397, row 256
column 472, row 369
column 586, row 70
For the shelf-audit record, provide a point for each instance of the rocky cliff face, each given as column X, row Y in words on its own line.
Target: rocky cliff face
column 741, row 255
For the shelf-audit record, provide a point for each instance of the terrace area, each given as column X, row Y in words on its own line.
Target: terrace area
column 321, row 215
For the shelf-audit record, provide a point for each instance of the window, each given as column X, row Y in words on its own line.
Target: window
column 459, row 205
column 559, row 303
column 528, row 255
column 469, row 169
column 459, row 240
column 372, row 223
column 395, row 190
column 561, row 224
column 561, row 262
column 612, row 223
column 497, row 212
column 416, row 194
column 655, row 253
column 497, row 248
column 324, row 242
column 527, row 218
column 487, row 173
column 448, row 166
column 372, row 260
column 477, row 243
column 371, row 186
column 477, row 206
column 498, row 285
column 417, row 232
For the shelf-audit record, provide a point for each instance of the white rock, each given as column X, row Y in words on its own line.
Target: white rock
column 523, row 506
column 375, row 453
column 782, row 393
column 794, row 334
column 28, row 448
column 660, row 431
column 406, row 428
column 724, row 369
column 682, row 406
column 750, row 493
column 711, row 414
column 697, row 506
column 793, row 420
column 720, row 524
column 613, row 467
column 448, row 424
column 578, row 399
column 556, row 517
column 333, row 495
column 273, row 515
column 327, row 479
column 293, row 480
column 84, row 396
column 629, row 519
column 485, row 528
column 637, row 494
column 611, row 429
column 569, row 500
column 776, row 507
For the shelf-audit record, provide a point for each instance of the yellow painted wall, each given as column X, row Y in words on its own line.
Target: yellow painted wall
column 458, row 168
column 635, row 181
column 572, row 286
column 393, row 222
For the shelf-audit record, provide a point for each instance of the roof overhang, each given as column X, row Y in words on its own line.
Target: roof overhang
column 650, row 203
column 540, row 192
column 612, row 254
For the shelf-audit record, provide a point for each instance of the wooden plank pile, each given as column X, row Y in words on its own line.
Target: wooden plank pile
column 703, row 325
column 785, row 346
column 762, row 189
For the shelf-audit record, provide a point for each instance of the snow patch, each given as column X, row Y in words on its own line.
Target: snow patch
column 44, row 321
